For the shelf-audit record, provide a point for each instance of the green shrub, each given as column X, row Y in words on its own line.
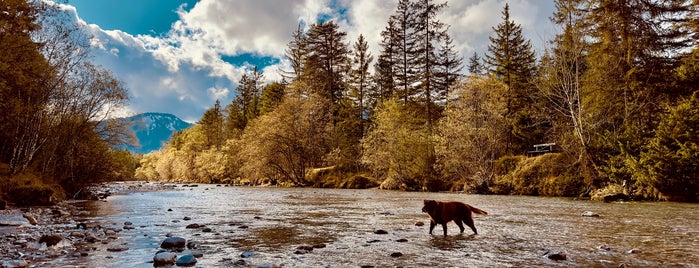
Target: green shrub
column 669, row 161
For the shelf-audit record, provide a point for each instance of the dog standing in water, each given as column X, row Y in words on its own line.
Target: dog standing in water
column 444, row 212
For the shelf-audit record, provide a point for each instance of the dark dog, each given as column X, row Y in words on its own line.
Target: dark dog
column 444, row 212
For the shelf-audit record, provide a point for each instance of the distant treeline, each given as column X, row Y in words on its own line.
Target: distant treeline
column 615, row 91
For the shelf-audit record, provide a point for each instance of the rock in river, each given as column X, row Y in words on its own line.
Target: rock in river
column 589, row 214
column 173, row 242
column 557, row 256
column 51, row 239
column 164, row 258
column 186, row 260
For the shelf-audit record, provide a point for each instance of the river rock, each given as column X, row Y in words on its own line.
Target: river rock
column 128, row 223
column 589, row 214
column 186, row 260
column 32, row 220
column 15, row 219
column 91, row 238
column 633, row 251
column 173, row 242
column 117, row 248
column 303, row 250
column 396, row 254
column 419, row 224
column 192, row 245
column 380, row 231
column 193, row 226
column 247, row 254
column 14, row 264
column 51, row 239
column 207, row 230
column 186, row 218
column 164, row 258
column 615, row 197
column 556, row 256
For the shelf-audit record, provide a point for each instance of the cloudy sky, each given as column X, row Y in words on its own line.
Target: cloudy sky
column 180, row 56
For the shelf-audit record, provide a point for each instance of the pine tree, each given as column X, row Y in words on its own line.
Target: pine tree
column 428, row 30
column 634, row 46
column 449, row 69
column 212, row 125
column 475, row 65
column 326, row 65
column 405, row 46
column 360, row 76
column 511, row 59
column 385, row 73
column 296, row 53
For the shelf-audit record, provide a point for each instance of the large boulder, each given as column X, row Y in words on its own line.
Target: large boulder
column 173, row 243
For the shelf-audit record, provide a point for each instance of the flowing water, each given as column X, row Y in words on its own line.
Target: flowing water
column 262, row 227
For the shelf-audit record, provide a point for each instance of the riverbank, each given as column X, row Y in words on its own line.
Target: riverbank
column 33, row 235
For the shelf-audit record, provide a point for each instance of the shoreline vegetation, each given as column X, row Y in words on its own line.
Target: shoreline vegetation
column 617, row 94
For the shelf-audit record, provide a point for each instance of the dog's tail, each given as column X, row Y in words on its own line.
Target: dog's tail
column 478, row 211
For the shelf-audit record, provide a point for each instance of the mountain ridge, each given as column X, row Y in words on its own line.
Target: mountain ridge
column 153, row 129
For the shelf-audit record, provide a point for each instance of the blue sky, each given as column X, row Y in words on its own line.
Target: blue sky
column 132, row 16
column 180, row 56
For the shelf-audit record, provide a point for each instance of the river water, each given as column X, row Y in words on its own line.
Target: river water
column 262, row 227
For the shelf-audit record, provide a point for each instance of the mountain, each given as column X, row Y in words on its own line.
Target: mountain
column 153, row 129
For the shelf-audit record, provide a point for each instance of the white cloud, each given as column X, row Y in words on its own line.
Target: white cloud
column 183, row 71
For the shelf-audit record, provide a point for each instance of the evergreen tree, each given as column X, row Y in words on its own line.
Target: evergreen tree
column 385, row 73
column 634, row 48
column 510, row 58
column 296, row 53
column 272, row 95
column 475, row 65
column 249, row 91
column 360, row 76
column 428, row 31
column 212, row 126
column 326, row 65
column 403, row 36
column 449, row 69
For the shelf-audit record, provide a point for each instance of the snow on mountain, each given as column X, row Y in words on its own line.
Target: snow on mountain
column 153, row 130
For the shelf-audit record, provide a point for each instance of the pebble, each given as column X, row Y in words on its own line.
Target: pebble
column 419, row 223
column 380, row 231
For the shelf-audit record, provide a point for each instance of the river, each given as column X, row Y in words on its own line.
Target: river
column 262, row 227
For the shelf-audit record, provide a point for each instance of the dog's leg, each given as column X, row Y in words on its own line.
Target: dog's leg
column 469, row 221
column 460, row 224
column 444, row 227
column 432, row 225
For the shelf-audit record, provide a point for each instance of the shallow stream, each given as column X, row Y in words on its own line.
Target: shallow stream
column 263, row 227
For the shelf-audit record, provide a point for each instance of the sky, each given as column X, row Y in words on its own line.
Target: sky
column 180, row 56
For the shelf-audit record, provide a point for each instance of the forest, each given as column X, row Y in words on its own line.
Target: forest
column 615, row 91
